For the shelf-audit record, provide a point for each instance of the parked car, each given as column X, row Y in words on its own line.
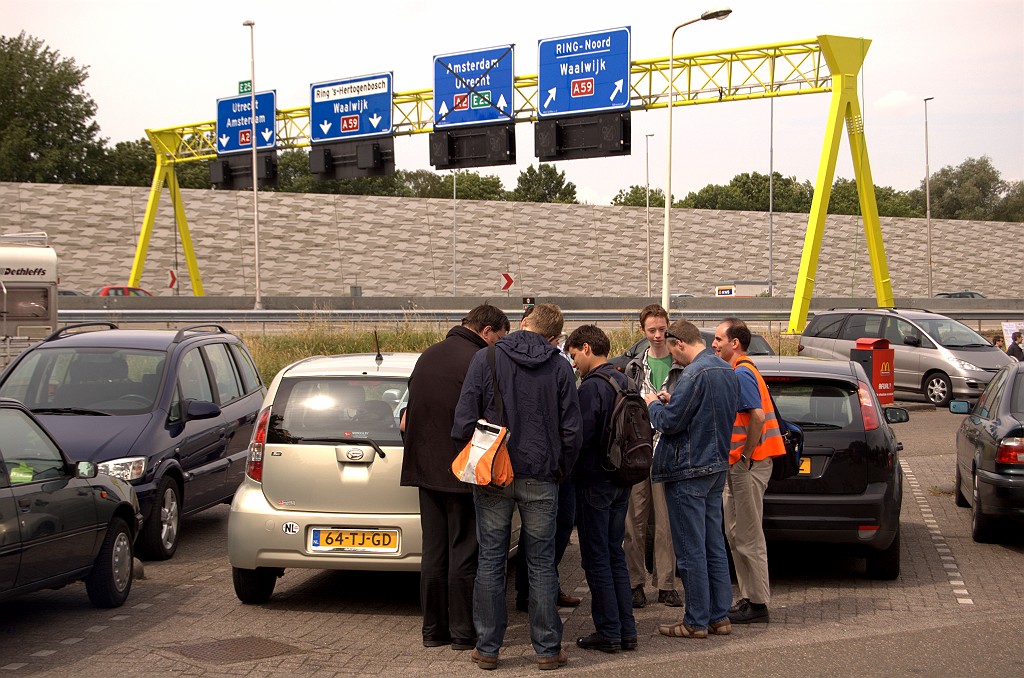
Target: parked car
column 68, row 292
column 964, row 294
column 60, row 522
column 758, row 346
column 849, row 488
column 934, row 355
column 120, row 291
column 170, row 411
column 322, row 483
column 989, row 473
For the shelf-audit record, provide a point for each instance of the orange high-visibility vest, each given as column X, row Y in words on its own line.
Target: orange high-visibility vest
column 771, row 444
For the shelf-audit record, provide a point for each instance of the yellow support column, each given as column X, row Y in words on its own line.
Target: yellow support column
column 186, row 237
column 844, row 57
column 135, row 277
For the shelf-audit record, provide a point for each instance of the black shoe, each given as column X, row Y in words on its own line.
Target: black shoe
column 596, row 641
column 749, row 612
column 670, row 598
column 463, row 644
column 639, row 597
column 436, row 642
column 628, row 644
column 742, row 602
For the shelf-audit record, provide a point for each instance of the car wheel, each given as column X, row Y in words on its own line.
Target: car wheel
column 254, row 587
column 159, row 538
column 885, row 564
column 939, row 389
column 958, row 494
column 982, row 526
column 110, row 581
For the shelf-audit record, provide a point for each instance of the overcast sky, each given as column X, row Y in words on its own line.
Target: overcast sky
column 157, row 64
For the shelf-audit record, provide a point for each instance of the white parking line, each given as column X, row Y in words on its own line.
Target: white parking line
column 943, row 551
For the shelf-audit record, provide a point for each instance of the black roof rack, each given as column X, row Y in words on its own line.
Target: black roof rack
column 891, row 309
column 61, row 332
column 192, row 328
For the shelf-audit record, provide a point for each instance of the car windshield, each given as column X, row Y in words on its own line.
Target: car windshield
column 115, row 381
column 326, row 409
column 952, row 334
column 816, row 404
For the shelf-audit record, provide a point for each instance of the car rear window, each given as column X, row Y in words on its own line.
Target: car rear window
column 336, row 409
column 816, row 404
column 825, row 326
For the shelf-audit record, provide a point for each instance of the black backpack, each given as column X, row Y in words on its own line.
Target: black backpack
column 629, row 437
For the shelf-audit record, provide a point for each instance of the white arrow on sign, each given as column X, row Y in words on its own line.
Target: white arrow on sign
column 224, row 139
column 325, row 126
column 551, row 96
column 443, row 111
column 618, row 88
column 375, row 120
column 502, row 104
column 267, row 134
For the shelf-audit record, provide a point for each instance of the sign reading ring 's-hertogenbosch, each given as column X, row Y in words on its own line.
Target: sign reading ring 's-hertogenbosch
column 354, row 107
column 473, row 87
column 234, row 123
column 583, row 73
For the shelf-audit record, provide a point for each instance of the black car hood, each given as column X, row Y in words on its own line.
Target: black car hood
column 99, row 439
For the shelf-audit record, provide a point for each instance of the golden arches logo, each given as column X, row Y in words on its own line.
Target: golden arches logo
column 886, row 367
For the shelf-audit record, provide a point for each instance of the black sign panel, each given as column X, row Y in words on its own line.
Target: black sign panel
column 477, row 146
column 582, row 136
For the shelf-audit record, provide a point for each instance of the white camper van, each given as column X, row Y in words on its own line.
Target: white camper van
column 28, row 292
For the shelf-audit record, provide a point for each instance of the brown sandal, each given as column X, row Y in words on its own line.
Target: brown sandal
column 681, row 630
column 721, row 628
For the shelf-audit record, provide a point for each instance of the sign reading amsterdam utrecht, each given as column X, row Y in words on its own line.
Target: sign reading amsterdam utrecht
column 234, row 123
column 584, row 73
column 354, row 107
column 473, row 87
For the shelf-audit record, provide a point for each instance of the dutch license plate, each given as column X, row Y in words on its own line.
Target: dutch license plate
column 805, row 467
column 376, row 541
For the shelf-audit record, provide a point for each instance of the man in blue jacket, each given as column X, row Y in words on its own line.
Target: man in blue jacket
column 542, row 413
column 692, row 460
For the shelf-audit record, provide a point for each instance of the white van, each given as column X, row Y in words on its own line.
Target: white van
column 28, row 292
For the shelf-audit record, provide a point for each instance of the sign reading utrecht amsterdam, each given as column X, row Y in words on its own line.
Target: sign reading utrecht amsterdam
column 234, row 123
column 354, row 107
column 583, row 73
column 473, row 87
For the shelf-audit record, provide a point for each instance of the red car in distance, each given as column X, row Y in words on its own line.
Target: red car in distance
column 120, row 291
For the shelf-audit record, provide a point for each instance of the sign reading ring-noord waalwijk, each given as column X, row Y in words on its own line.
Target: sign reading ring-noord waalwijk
column 583, row 73
column 234, row 123
column 353, row 107
column 473, row 87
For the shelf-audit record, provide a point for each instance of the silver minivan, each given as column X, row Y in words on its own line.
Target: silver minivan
column 934, row 355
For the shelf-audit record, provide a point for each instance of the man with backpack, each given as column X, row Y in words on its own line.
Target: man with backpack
column 601, row 499
column 756, row 439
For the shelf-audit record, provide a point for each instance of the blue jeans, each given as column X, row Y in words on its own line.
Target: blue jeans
column 695, row 513
column 537, row 501
column 564, row 521
column 601, row 521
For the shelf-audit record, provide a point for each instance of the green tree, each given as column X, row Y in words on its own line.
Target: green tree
column 47, row 130
column 426, row 184
column 1011, row 207
column 472, row 186
column 972, row 190
column 130, row 163
column 544, row 184
column 636, row 196
column 715, row 197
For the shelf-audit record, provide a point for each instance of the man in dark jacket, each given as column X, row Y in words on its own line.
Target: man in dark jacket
column 447, row 516
column 542, row 413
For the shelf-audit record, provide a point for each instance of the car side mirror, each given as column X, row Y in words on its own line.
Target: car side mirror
column 201, row 409
column 896, row 415
column 959, row 407
column 911, row 340
column 86, row 469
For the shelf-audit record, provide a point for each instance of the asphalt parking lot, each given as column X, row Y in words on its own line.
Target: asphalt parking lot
column 953, row 611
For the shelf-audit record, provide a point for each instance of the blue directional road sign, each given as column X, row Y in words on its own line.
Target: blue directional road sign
column 355, row 107
column 234, row 123
column 583, row 73
column 473, row 87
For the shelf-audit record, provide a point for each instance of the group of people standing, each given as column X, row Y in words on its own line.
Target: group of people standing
column 716, row 434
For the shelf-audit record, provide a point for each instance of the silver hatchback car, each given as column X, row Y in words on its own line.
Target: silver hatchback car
column 934, row 355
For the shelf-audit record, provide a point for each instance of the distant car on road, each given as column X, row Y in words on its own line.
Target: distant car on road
column 120, row 291
column 59, row 521
column 169, row 411
column 68, row 292
column 989, row 474
column 963, row 294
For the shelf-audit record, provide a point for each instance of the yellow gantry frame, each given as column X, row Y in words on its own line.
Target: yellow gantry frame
column 759, row 72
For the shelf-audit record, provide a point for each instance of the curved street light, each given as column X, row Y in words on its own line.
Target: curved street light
column 706, row 16
column 258, row 304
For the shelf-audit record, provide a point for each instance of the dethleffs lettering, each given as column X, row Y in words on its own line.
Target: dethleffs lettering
column 589, row 67
column 23, row 271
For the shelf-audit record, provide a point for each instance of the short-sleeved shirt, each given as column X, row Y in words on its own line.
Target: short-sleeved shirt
column 659, row 370
column 750, row 394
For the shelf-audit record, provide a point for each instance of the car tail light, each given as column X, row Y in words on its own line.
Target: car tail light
column 1011, row 451
column 254, row 462
column 867, row 406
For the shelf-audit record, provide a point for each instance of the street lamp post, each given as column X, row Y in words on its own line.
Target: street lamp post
column 647, row 163
column 771, row 196
column 258, row 304
column 710, row 14
column 928, row 196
